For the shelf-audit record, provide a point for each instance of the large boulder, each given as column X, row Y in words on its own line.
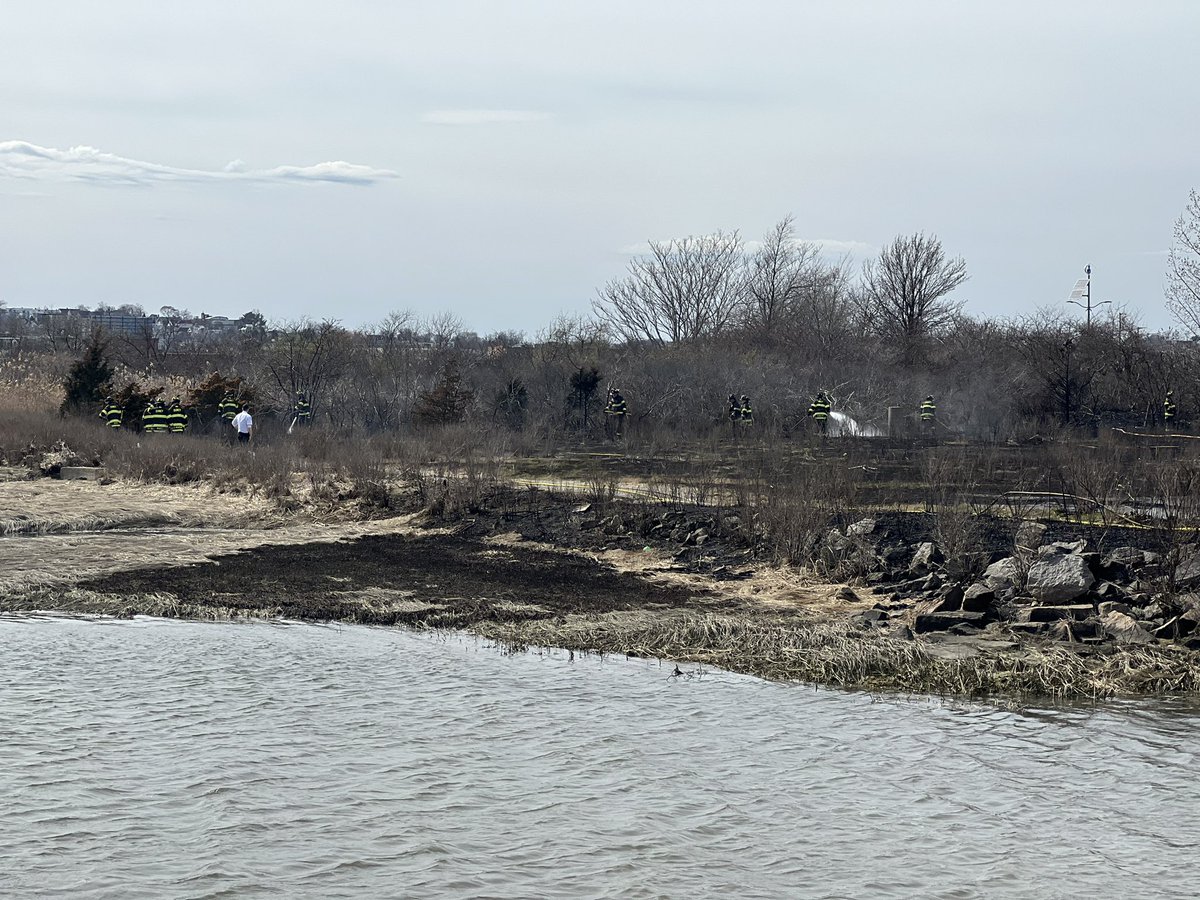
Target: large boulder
column 927, row 556
column 1003, row 574
column 1124, row 629
column 1059, row 577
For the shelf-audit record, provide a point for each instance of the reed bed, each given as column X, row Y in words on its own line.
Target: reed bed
column 846, row 656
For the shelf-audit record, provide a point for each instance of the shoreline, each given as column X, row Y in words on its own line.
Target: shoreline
column 532, row 569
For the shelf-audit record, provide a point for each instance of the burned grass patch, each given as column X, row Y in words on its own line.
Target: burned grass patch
column 458, row 582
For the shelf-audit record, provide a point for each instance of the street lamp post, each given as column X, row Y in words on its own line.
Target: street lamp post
column 1083, row 291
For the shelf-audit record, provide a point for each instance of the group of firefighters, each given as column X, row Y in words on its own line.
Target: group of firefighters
column 160, row 417
column 741, row 413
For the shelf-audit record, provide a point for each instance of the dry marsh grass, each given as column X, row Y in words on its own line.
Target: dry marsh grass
column 845, row 656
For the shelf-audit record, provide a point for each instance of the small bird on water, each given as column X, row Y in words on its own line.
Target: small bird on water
column 677, row 672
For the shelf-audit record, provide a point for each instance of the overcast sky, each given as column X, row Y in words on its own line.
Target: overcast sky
column 499, row 159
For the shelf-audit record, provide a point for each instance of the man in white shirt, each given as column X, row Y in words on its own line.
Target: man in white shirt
column 243, row 423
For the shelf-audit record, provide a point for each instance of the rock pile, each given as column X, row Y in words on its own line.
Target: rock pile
column 1057, row 590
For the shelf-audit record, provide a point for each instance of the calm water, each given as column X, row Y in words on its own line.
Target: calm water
column 168, row 759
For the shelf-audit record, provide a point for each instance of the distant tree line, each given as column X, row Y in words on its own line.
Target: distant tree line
column 696, row 319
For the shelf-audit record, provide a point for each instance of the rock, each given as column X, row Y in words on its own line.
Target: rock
column 1106, row 590
column 581, row 509
column 872, row 616
column 1153, row 610
column 1059, row 576
column 1129, row 557
column 838, row 542
column 952, row 599
column 847, row 593
column 964, row 629
column 1063, row 547
column 1055, row 613
column 978, row 598
column 1187, row 573
column 1066, row 630
column 1029, row 535
column 949, row 602
column 1003, row 574
column 944, row 621
column 861, row 528
column 1028, row 627
column 927, row 555
column 901, row 633
column 1124, row 629
column 1107, row 606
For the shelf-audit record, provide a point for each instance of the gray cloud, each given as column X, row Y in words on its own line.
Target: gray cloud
column 21, row 159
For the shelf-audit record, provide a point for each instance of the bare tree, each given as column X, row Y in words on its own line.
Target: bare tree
column 904, row 290
column 303, row 356
column 444, row 330
column 781, row 272
column 1183, row 268
column 682, row 291
column 826, row 316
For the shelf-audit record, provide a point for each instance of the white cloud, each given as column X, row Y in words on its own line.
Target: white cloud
column 482, row 116
column 21, row 159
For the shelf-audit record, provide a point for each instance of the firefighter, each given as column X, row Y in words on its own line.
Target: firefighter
column 819, row 410
column 302, row 411
column 928, row 414
column 154, row 418
column 745, row 412
column 113, row 413
column 228, row 407
column 177, row 418
column 616, row 410
column 1169, row 411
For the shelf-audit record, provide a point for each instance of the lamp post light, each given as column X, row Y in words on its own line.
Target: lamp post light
column 1081, row 296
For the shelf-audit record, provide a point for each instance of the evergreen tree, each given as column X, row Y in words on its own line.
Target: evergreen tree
column 89, row 380
column 584, row 384
column 447, row 402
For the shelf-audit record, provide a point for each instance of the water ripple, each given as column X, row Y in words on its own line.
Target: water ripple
column 173, row 759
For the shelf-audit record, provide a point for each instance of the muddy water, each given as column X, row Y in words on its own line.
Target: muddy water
column 166, row 759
